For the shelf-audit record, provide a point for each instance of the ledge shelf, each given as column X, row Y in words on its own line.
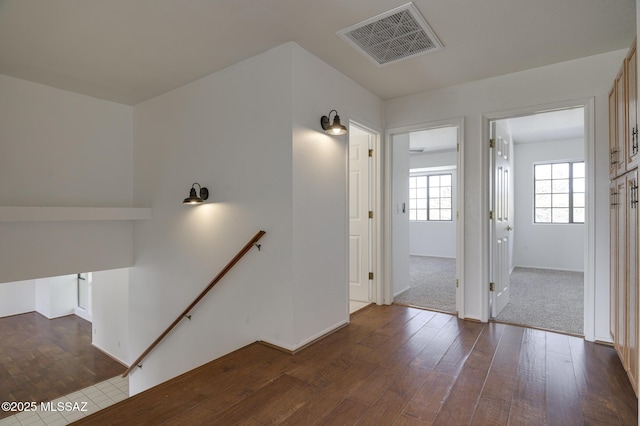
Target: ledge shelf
column 70, row 214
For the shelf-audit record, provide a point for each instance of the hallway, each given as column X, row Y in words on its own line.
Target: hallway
column 398, row 364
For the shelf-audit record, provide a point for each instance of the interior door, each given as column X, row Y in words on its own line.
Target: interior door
column 501, row 221
column 359, row 222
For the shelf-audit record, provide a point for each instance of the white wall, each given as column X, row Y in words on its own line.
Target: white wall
column 33, row 249
column 230, row 132
column 56, row 296
column 433, row 159
column 581, row 78
column 52, row 297
column 320, row 193
column 110, row 312
column 62, row 149
column 17, row 298
column 400, row 219
column 251, row 134
column 547, row 246
column 435, row 238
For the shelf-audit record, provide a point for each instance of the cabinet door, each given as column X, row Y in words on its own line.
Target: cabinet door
column 631, row 150
column 621, row 122
column 632, row 275
column 613, row 133
column 620, row 335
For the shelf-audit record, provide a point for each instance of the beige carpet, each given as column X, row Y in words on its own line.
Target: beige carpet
column 553, row 300
column 432, row 283
column 542, row 298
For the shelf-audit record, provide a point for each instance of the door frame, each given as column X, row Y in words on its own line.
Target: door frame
column 589, row 157
column 387, row 287
column 376, row 203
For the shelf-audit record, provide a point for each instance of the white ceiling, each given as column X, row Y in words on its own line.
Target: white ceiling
column 131, row 50
column 434, row 140
column 547, row 126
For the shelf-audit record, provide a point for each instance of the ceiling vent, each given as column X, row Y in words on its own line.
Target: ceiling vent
column 398, row 34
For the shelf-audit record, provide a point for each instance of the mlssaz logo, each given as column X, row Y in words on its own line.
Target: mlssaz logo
column 63, row 406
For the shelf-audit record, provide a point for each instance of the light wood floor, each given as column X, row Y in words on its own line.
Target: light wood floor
column 43, row 359
column 398, row 365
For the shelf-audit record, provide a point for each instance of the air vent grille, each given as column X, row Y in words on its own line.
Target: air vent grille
column 393, row 36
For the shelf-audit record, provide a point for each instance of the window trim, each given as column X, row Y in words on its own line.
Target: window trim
column 570, row 193
column 428, row 172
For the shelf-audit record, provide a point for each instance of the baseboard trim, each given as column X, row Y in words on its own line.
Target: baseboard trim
column 276, row 347
column 401, row 291
column 548, row 268
column 432, row 255
column 82, row 313
column 292, row 350
column 110, row 355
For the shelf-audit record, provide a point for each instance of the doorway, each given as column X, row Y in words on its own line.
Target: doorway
column 424, row 216
column 537, row 220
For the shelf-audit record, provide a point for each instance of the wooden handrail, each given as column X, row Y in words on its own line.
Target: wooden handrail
column 213, row 282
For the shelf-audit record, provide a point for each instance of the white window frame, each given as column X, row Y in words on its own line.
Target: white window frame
column 415, row 173
column 571, row 192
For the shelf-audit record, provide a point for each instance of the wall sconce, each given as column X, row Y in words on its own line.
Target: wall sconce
column 334, row 128
column 196, row 198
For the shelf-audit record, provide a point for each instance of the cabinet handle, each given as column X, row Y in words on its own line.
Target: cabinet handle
column 634, row 195
column 613, row 201
column 634, row 139
column 613, row 158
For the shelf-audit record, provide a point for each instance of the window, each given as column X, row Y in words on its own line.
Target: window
column 430, row 197
column 559, row 192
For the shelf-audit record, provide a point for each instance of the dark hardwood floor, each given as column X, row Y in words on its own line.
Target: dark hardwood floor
column 403, row 366
column 42, row 359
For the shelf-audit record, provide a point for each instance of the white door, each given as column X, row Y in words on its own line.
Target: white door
column 501, row 221
column 359, row 222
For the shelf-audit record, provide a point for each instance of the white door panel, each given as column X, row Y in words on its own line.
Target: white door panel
column 359, row 222
column 501, row 224
column 355, row 263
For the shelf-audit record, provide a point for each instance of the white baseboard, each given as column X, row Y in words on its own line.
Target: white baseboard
column 604, row 339
column 111, row 355
column 401, row 291
column 549, row 269
column 432, row 255
column 82, row 313
column 295, row 347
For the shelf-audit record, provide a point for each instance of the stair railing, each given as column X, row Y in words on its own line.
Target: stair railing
column 185, row 313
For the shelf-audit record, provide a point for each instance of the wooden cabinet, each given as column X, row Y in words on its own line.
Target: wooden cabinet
column 624, row 271
column 617, row 143
column 631, row 91
column 623, row 118
column 618, row 219
column 613, row 131
column 631, row 255
column 623, row 172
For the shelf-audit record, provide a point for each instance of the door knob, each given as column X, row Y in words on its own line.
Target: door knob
column 509, row 228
